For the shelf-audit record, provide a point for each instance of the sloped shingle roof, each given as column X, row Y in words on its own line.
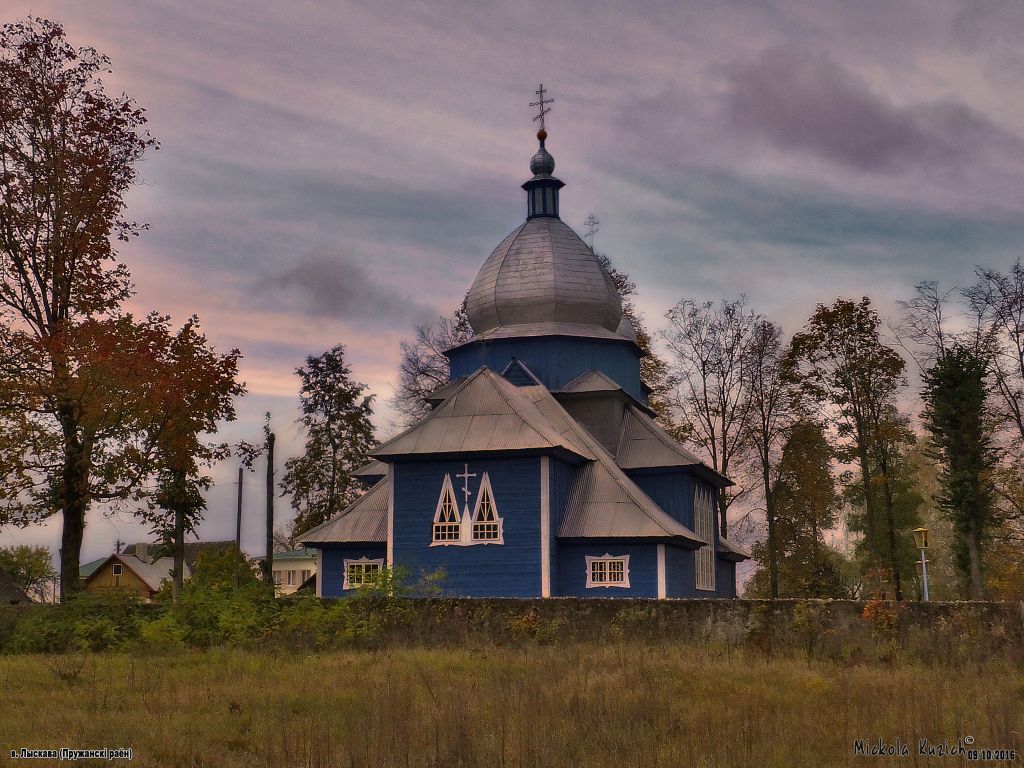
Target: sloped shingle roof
column 366, row 519
column 486, row 413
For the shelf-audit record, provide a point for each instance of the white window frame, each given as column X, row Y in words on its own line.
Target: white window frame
column 291, row 578
column 449, row 527
column 608, row 562
column 704, row 526
column 117, row 570
column 361, row 565
column 496, row 525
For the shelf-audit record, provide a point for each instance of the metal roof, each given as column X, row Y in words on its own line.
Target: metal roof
column 86, row 569
column 365, row 519
column 373, row 468
column 542, row 273
column 603, row 501
column 296, row 554
column 486, row 413
column 592, row 381
column 534, row 330
column 728, row 550
column 642, row 443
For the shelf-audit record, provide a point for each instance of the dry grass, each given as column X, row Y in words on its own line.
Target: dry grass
column 603, row 705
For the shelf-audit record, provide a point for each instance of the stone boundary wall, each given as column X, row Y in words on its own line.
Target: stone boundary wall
column 840, row 629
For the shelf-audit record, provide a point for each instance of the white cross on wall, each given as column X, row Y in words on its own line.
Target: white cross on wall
column 465, row 475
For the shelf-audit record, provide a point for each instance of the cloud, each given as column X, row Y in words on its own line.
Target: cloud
column 331, row 285
column 800, row 99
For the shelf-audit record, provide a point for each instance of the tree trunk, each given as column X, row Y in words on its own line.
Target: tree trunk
column 890, row 522
column 179, row 550
column 74, row 503
column 871, row 529
column 268, row 561
column 976, row 582
column 773, row 546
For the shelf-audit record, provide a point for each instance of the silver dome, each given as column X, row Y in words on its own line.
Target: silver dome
column 543, row 273
column 542, row 163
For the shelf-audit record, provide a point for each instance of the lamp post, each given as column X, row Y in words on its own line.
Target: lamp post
column 921, row 539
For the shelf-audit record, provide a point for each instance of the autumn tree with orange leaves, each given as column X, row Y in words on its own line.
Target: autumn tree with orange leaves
column 95, row 405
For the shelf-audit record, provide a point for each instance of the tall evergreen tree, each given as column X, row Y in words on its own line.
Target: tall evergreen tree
column 336, row 419
column 956, row 414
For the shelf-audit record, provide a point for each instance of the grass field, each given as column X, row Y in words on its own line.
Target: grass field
column 579, row 705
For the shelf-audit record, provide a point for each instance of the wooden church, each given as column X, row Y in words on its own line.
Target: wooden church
column 539, row 471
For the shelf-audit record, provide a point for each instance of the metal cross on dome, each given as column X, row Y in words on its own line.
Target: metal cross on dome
column 465, row 475
column 541, row 101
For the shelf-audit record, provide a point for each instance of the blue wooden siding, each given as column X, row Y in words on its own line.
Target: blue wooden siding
column 643, row 569
column 671, row 489
column 511, row 569
column 725, row 578
column 332, row 573
column 562, row 475
column 680, row 573
column 555, row 360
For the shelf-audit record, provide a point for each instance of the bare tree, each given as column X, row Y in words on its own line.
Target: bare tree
column 424, row 366
column 996, row 302
column 771, row 419
column 710, row 351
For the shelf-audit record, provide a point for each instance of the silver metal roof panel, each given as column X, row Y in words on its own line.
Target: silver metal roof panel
column 543, row 273
column 365, row 519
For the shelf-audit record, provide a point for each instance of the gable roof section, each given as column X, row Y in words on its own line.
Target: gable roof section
column 152, row 574
column 592, row 381
column 603, row 501
column 485, row 413
column 645, row 445
column 365, row 519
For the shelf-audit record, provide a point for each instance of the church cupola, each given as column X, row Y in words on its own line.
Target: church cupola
column 542, row 189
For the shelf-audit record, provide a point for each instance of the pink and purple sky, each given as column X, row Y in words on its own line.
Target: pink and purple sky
column 337, row 172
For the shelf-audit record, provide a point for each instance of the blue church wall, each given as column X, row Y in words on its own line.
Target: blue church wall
column 562, row 476
column 555, row 360
column 680, row 573
column 672, row 490
column 511, row 569
column 332, row 571
column 643, row 569
column 725, row 578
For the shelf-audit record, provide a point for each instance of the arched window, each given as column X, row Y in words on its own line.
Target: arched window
column 447, row 523
column 486, row 523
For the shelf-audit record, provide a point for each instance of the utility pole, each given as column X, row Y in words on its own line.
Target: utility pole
column 268, row 561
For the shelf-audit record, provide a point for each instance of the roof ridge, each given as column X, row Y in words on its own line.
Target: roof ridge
column 501, row 382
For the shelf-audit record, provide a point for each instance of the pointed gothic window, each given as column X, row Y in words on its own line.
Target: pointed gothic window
column 486, row 523
column 704, row 526
column 447, row 523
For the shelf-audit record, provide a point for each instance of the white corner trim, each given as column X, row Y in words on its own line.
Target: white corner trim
column 391, row 516
column 361, row 561
column 662, row 591
column 545, row 526
column 624, row 584
column 320, row 572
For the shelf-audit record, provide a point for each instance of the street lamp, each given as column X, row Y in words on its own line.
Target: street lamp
column 921, row 539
